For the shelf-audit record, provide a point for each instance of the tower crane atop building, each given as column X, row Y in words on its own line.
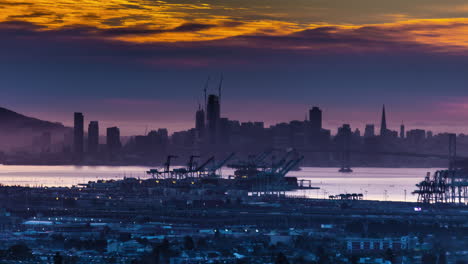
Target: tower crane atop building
column 205, row 90
column 220, row 86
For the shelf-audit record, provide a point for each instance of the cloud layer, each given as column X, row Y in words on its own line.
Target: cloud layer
column 279, row 56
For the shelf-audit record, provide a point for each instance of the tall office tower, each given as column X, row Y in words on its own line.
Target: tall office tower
column 383, row 123
column 315, row 118
column 213, row 115
column 402, row 131
column 113, row 139
column 93, row 137
column 200, row 121
column 78, row 135
column 369, row 131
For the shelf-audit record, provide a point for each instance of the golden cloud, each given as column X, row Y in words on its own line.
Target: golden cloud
column 142, row 21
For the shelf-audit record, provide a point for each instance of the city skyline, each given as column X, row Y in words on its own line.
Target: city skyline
column 332, row 123
column 234, row 131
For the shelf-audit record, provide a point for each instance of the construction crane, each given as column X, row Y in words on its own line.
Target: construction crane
column 205, row 90
column 220, row 86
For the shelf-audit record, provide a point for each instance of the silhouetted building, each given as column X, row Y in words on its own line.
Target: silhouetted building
column 343, row 139
column 113, row 140
column 183, row 140
column 383, row 123
column 392, row 133
column 159, row 141
column 315, row 118
column 416, row 136
column 213, row 115
column 297, row 133
column 369, row 131
column 78, row 135
column 402, row 131
column 357, row 133
column 344, row 130
column 429, row 135
column 154, row 145
column 93, row 137
column 200, row 121
column 164, row 137
column 224, row 131
column 142, row 145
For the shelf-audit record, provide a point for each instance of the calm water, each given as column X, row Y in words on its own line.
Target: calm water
column 375, row 183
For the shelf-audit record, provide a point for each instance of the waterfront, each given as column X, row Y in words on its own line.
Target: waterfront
column 174, row 221
column 374, row 183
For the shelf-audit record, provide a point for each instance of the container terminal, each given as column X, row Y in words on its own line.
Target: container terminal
column 192, row 214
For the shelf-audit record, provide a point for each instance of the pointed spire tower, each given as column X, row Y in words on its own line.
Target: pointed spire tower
column 383, row 123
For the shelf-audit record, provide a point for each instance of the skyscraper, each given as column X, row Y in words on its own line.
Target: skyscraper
column 402, row 130
column 315, row 118
column 93, row 137
column 383, row 123
column 213, row 115
column 369, row 131
column 200, row 121
column 78, row 135
column 113, row 139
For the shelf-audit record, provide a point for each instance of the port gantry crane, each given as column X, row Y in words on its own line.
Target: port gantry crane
column 191, row 171
column 211, row 170
column 166, row 173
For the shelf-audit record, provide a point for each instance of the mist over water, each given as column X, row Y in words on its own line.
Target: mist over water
column 374, row 183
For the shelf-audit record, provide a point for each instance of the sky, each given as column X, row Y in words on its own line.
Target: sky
column 142, row 64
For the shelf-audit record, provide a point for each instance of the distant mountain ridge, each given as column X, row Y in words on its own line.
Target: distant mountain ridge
column 19, row 132
column 10, row 120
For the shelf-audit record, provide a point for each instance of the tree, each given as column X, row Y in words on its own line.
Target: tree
column 442, row 257
column 19, row 251
column 58, row 259
column 162, row 252
column 281, row 259
column 389, row 255
column 201, row 243
column 188, row 243
column 125, row 236
column 165, row 246
column 322, row 255
column 429, row 258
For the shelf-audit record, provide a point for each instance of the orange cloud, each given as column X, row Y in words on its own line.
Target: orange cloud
column 168, row 22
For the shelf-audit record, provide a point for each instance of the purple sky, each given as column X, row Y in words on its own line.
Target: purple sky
column 141, row 64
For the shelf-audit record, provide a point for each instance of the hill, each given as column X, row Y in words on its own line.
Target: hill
column 19, row 131
column 13, row 120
